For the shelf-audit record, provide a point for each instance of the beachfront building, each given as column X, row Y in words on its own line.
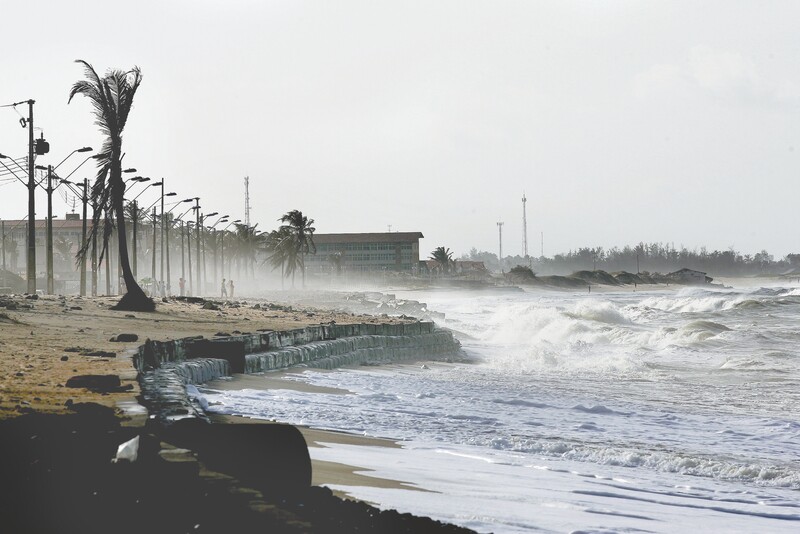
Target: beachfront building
column 67, row 237
column 689, row 276
column 386, row 251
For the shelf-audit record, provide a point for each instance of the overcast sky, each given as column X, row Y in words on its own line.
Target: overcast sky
column 622, row 122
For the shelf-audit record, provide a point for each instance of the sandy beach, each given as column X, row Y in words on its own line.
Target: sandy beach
column 46, row 342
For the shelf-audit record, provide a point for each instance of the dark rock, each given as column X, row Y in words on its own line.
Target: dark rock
column 208, row 305
column 124, row 338
column 256, row 306
column 130, row 316
column 20, row 374
column 32, row 297
column 97, row 383
column 222, row 334
column 74, row 349
column 76, row 308
column 64, row 358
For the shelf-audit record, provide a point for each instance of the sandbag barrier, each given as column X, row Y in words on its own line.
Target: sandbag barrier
column 166, row 368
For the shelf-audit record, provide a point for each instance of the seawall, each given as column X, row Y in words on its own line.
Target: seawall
column 167, row 367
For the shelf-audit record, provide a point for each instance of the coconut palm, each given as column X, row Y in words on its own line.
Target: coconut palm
column 281, row 252
column 112, row 98
column 337, row 260
column 300, row 228
column 63, row 247
column 248, row 243
column 443, row 257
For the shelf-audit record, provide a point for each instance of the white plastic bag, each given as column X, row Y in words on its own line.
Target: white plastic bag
column 128, row 451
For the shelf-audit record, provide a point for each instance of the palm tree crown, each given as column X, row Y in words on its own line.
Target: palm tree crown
column 299, row 230
column 443, row 257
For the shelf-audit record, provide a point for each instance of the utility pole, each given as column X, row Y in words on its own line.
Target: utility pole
column 49, row 229
column 189, row 256
column 183, row 262
column 197, row 244
column 135, row 219
column 85, row 200
column 500, row 257
column 163, row 222
column 155, row 282
column 31, row 206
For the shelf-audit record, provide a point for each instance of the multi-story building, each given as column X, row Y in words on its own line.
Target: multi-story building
column 389, row 251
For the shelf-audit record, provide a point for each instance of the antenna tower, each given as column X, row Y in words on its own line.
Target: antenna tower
column 524, row 225
column 247, row 200
column 500, row 232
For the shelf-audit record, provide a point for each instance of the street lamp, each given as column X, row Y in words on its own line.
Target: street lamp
column 224, row 218
column 167, row 227
column 135, row 209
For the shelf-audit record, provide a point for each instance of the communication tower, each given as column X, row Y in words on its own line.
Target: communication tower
column 247, row 200
column 524, row 225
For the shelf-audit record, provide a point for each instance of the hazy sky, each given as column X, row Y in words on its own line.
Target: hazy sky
column 621, row 121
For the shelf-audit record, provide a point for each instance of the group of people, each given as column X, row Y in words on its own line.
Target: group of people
column 224, row 290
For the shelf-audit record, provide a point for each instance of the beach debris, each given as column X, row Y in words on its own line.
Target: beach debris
column 208, row 305
column 127, row 451
column 32, row 297
column 124, row 338
column 100, row 354
column 98, row 383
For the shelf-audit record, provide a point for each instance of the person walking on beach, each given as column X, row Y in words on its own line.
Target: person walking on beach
column 223, row 291
column 230, row 283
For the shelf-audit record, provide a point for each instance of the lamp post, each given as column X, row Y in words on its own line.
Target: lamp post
column 224, row 218
column 153, row 263
column 189, row 255
column 135, row 210
column 84, row 201
column 197, row 242
column 203, row 262
column 166, row 234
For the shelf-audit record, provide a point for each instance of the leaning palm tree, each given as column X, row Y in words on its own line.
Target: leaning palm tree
column 302, row 231
column 112, row 98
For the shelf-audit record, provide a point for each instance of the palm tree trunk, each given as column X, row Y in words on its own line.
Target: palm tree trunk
column 134, row 298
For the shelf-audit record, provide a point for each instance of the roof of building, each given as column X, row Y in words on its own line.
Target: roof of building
column 686, row 271
column 382, row 237
column 42, row 223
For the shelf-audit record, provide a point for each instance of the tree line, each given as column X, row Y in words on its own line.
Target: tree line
column 650, row 257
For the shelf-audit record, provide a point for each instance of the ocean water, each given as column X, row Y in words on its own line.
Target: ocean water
column 649, row 411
